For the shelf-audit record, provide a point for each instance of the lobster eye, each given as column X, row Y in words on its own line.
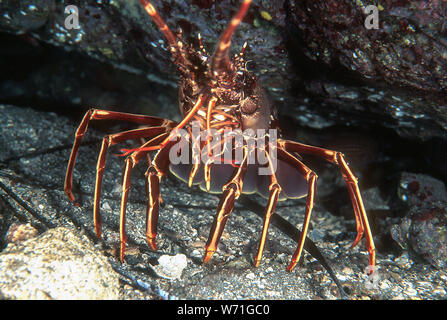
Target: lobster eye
column 249, row 106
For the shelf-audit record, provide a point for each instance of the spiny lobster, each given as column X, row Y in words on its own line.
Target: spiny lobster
column 218, row 94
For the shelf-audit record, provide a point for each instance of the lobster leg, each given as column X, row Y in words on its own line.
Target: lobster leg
column 151, row 204
column 311, row 178
column 211, row 157
column 106, row 143
column 164, row 147
column 130, row 163
column 195, row 157
column 154, row 174
column 96, row 114
column 225, row 207
column 207, row 166
column 175, row 129
column 275, row 190
column 153, row 182
column 354, row 191
column 231, row 191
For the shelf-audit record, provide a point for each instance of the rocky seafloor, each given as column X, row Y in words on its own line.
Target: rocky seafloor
column 44, row 235
column 379, row 96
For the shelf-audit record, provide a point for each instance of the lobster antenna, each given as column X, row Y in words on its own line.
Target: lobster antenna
column 172, row 40
column 221, row 57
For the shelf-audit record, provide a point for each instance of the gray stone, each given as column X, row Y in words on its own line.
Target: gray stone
column 423, row 230
column 59, row 264
column 320, row 63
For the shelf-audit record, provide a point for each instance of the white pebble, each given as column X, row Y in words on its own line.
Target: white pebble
column 170, row 267
column 250, row 276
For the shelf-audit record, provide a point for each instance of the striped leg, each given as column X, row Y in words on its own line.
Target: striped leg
column 311, row 178
column 352, row 185
column 106, row 143
column 130, row 163
column 275, row 190
column 96, row 114
column 231, row 191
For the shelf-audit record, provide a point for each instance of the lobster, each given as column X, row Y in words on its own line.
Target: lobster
column 225, row 113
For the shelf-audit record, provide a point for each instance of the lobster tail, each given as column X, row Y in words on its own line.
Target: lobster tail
column 221, row 57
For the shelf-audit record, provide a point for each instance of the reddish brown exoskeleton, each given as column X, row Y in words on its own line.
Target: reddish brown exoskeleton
column 219, row 95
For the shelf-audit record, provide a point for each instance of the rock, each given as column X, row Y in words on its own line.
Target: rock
column 58, row 264
column 20, row 232
column 317, row 59
column 170, row 267
column 397, row 70
column 335, row 34
column 404, row 261
column 423, row 230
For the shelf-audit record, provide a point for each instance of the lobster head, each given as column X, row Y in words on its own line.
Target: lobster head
column 237, row 92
